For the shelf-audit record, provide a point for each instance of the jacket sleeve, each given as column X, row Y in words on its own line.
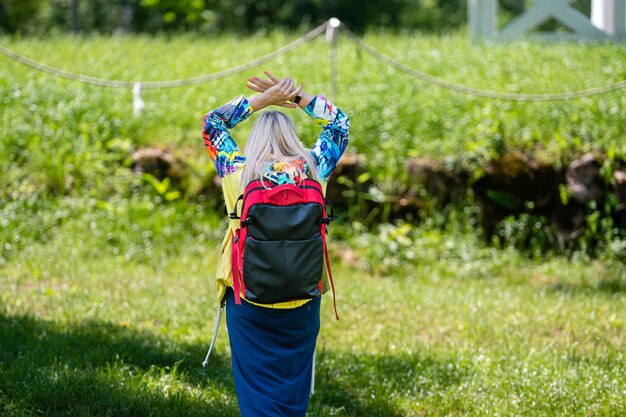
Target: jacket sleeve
column 334, row 138
column 219, row 143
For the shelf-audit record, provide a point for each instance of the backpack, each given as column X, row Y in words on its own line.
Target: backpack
column 279, row 248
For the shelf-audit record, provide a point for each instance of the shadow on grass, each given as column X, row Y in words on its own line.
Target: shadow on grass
column 100, row 369
column 609, row 286
column 371, row 385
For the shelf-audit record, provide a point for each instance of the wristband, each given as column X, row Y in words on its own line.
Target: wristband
column 297, row 99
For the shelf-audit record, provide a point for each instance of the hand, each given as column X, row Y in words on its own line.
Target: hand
column 261, row 85
column 277, row 95
column 305, row 98
column 281, row 92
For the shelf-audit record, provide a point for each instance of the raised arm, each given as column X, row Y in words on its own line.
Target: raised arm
column 334, row 138
column 219, row 143
column 216, row 124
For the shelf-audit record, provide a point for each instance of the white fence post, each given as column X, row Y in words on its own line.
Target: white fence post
column 608, row 19
column 138, row 103
column 602, row 12
column 332, row 31
column 482, row 18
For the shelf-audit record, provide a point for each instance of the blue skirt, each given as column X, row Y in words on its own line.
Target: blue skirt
column 272, row 355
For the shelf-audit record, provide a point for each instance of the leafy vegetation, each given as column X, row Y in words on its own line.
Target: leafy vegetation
column 111, row 315
column 63, row 138
column 106, row 291
column 47, row 120
column 209, row 16
column 250, row 16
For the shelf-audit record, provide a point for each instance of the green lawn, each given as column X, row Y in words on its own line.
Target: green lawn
column 96, row 328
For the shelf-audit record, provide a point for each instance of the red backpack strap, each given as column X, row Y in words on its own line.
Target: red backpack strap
column 330, row 274
column 238, row 285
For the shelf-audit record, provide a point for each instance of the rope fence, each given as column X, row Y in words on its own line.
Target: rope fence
column 568, row 95
column 331, row 28
column 103, row 82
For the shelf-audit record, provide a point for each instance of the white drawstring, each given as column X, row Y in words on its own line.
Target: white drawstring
column 313, row 374
column 217, row 327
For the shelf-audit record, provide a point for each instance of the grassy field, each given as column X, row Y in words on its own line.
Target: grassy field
column 393, row 115
column 106, row 294
column 95, row 329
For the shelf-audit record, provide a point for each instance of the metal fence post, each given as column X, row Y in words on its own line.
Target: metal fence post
column 332, row 32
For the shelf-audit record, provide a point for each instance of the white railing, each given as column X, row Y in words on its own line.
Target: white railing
column 607, row 20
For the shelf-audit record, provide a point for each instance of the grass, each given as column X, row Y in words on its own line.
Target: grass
column 393, row 115
column 90, row 327
column 106, row 288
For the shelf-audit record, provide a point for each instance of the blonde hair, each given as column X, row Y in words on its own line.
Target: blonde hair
column 274, row 139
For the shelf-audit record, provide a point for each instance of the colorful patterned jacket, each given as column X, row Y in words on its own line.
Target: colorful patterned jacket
column 229, row 162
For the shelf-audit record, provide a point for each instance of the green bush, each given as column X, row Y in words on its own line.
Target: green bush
column 66, row 139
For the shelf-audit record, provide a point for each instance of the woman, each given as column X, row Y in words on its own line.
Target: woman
column 272, row 345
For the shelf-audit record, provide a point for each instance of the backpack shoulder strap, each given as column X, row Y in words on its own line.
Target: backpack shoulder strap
column 233, row 215
column 236, row 268
column 330, row 273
